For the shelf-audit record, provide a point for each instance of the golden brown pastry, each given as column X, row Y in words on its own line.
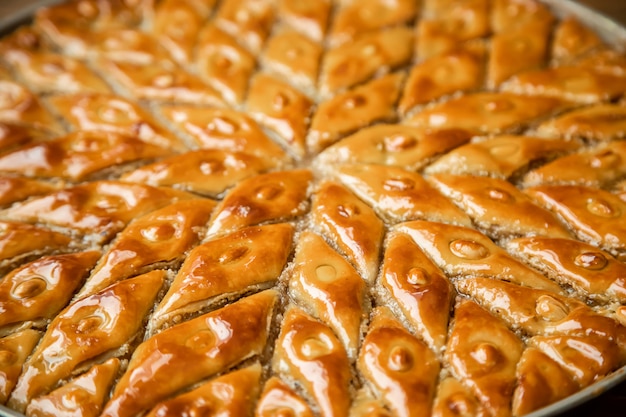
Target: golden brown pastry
column 571, row 83
column 596, row 216
column 177, row 24
column 47, row 72
column 325, row 284
column 101, row 324
column 515, row 14
column 243, row 261
column 598, row 166
column 354, row 109
column 403, row 370
column 282, row 109
column 14, row 349
column 83, row 396
column 540, row 382
column 365, row 405
column 309, row 352
column 78, row 155
column 293, row 56
column 196, row 349
column 13, row 134
column 232, row 394
column 223, row 64
column 14, row 189
column 498, row 207
column 160, row 83
column 349, row 224
column 160, row 238
column 420, row 288
column 591, row 272
column 462, row 252
column 19, row 105
column 484, row 354
column 99, row 208
column 208, row 172
column 541, row 312
column 355, row 18
column 449, row 24
column 500, row 156
column 223, row 129
column 605, row 60
column 278, row 195
column 404, row 146
column 516, row 51
column 441, row 76
column 600, row 122
column 368, row 54
column 277, row 398
column 455, row 400
column 21, row 240
column 487, row 113
column 399, row 195
column 573, row 40
column 309, row 18
column 113, row 114
column 35, row 292
column 128, row 45
column 249, row 21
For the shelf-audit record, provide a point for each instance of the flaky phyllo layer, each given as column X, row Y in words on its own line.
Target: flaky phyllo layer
column 309, row 208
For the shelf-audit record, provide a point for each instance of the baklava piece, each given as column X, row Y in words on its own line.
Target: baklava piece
column 196, row 349
column 78, row 155
column 223, row 129
column 275, row 196
column 401, row 368
column 282, row 109
column 159, row 239
column 13, row 134
column 596, row 123
column 498, row 207
column 209, row 172
column 356, row 18
column 98, row 209
column 593, row 273
column 221, row 269
column 14, row 350
column 33, row 294
column 599, row 166
column 484, row 354
column 83, row 396
column 309, row 353
column 596, row 216
column 354, row 109
column 504, row 157
column 454, row 399
column 441, row 76
column 407, row 147
column 15, row 189
column 462, row 252
column 309, row 18
column 231, row 394
column 370, row 54
column 339, row 290
column 572, row 40
column 249, row 21
column 398, row 195
column 419, row 287
column 487, row 113
column 91, row 329
column 350, row 225
column 18, row 105
column 112, row 113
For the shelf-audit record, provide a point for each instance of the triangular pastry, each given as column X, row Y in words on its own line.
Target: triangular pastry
column 19, row 105
column 14, row 189
column 14, row 350
column 455, row 400
column 277, row 397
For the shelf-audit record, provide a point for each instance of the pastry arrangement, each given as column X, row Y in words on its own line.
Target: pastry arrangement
column 309, row 208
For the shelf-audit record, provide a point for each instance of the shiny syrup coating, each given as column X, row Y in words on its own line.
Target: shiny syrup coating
column 309, row 208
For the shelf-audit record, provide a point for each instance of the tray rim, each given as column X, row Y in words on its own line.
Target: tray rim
column 608, row 28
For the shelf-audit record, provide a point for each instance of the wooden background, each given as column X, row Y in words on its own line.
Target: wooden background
column 609, row 404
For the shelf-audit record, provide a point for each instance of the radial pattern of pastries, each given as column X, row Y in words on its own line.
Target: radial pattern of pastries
column 324, row 208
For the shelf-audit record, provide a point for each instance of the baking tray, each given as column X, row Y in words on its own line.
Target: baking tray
column 20, row 12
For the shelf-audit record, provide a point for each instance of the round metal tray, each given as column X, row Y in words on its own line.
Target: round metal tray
column 610, row 30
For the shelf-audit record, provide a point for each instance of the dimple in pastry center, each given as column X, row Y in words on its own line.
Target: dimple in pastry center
column 29, row 288
column 468, row 249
